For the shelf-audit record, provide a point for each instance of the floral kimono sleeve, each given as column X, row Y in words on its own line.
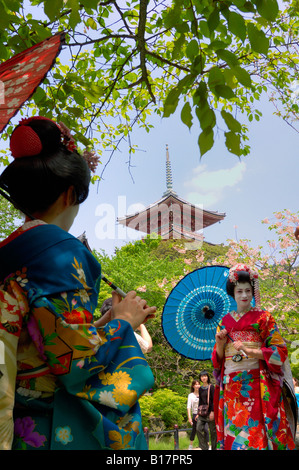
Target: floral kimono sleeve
column 273, row 347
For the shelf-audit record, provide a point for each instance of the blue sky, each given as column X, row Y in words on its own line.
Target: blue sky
column 247, row 190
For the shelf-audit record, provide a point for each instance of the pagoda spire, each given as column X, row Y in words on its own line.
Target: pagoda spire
column 171, row 216
column 169, row 189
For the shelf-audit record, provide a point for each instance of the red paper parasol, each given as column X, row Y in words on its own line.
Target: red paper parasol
column 22, row 74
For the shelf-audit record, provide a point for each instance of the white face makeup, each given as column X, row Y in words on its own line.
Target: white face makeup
column 243, row 296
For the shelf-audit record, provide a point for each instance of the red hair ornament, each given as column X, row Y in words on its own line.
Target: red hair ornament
column 24, row 141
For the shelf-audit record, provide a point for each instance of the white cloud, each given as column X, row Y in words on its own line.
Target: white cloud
column 207, row 187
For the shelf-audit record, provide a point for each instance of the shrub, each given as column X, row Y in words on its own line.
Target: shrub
column 165, row 404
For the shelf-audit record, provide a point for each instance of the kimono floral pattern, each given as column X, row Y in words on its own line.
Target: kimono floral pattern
column 63, row 435
column 25, row 434
column 250, row 408
column 101, row 372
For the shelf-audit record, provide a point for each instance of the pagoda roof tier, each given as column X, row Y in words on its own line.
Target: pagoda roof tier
column 171, row 213
column 177, row 233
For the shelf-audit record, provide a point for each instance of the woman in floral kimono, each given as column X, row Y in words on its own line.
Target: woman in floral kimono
column 251, row 409
column 65, row 383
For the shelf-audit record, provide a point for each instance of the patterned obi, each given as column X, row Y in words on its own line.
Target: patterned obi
column 251, row 339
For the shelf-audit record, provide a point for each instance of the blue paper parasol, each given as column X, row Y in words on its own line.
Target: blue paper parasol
column 194, row 309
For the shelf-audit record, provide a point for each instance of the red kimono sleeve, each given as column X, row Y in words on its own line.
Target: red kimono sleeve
column 273, row 348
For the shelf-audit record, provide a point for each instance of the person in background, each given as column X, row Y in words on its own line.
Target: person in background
column 66, row 384
column 206, row 397
column 192, row 406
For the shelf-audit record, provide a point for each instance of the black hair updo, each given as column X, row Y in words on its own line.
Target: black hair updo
column 36, row 181
column 243, row 276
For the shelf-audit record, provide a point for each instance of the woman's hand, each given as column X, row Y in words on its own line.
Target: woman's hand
column 132, row 308
column 211, row 416
column 255, row 353
column 238, row 345
column 221, row 339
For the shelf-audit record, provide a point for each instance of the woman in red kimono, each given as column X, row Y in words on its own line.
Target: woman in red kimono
column 249, row 358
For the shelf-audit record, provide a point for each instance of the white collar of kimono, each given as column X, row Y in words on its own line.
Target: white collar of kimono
column 32, row 223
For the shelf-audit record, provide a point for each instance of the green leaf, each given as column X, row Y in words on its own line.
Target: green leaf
column 204, row 29
column 200, row 94
column 213, row 20
column 216, row 77
column 224, row 91
column 206, row 140
column 90, row 4
column 12, row 5
column 242, row 76
column 52, row 8
column 233, row 143
column 79, row 97
column 39, row 95
column 90, row 22
column 74, row 17
column 192, row 49
column 77, row 112
column 178, row 44
column 229, row 57
column 4, row 17
column 268, row 9
column 206, row 116
column 258, row 40
column 4, row 52
column 236, row 25
column 186, row 115
column 185, row 84
column 248, row 7
column 217, row 44
column 172, row 18
column 171, row 102
column 198, row 64
column 231, row 122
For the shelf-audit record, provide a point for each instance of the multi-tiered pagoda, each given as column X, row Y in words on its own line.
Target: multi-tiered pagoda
column 171, row 216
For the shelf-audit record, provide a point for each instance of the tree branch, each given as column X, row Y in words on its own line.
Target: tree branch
column 168, row 62
column 104, row 38
column 141, row 46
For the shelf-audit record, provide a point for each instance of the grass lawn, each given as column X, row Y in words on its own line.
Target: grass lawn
column 167, row 443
